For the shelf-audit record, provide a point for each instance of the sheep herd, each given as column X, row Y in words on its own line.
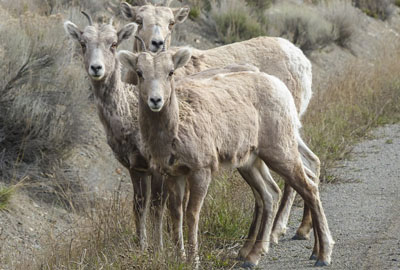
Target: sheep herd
column 181, row 114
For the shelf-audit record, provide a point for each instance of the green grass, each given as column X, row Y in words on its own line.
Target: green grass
column 6, row 194
column 378, row 9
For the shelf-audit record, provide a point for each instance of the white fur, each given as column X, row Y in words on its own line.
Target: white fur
column 301, row 66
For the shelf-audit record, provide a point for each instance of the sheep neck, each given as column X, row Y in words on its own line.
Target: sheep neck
column 113, row 104
column 159, row 130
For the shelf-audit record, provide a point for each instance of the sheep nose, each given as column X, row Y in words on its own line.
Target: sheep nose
column 157, row 43
column 96, row 68
column 155, row 100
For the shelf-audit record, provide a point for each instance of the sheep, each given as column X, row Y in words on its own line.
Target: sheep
column 275, row 56
column 117, row 109
column 155, row 22
column 191, row 127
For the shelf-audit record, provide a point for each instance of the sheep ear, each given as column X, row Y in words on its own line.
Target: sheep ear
column 72, row 30
column 128, row 11
column 181, row 57
column 128, row 59
column 127, row 31
column 180, row 14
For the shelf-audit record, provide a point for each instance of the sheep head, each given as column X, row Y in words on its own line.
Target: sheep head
column 99, row 44
column 155, row 73
column 155, row 22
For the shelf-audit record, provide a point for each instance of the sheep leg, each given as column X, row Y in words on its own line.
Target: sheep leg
column 198, row 184
column 141, row 198
column 176, row 191
column 312, row 168
column 255, row 179
column 296, row 177
column 282, row 216
column 254, row 227
column 158, row 203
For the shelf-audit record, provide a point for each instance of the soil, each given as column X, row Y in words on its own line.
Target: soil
column 362, row 208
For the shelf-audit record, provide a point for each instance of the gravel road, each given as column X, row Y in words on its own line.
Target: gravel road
column 363, row 211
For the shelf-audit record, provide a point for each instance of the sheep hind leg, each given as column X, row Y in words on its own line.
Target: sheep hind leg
column 312, row 168
column 296, row 177
column 282, row 216
column 255, row 179
column 254, row 227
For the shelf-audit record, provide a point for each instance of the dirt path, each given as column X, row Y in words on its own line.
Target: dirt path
column 363, row 211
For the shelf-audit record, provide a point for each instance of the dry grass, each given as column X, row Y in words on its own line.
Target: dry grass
column 104, row 235
column 364, row 95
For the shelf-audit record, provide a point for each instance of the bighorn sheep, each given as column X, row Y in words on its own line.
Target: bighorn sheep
column 275, row 56
column 155, row 22
column 117, row 110
column 191, row 127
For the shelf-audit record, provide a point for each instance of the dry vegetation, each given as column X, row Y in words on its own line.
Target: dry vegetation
column 363, row 96
column 43, row 94
column 380, row 9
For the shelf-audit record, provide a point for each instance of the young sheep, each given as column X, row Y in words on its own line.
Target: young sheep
column 192, row 127
column 275, row 56
column 117, row 110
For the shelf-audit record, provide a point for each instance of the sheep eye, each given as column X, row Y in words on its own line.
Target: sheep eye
column 139, row 21
column 171, row 73
column 139, row 73
column 171, row 24
column 114, row 45
column 83, row 45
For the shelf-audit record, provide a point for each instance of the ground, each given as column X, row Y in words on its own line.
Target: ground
column 363, row 211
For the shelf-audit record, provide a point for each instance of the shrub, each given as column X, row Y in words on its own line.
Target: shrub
column 300, row 24
column 343, row 17
column 41, row 95
column 234, row 21
column 313, row 27
column 379, row 9
column 260, row 5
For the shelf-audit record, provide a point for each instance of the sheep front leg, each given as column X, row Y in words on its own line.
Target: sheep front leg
column 198, row 185
column 158, row 201
column 176, row 192
column 141, row 198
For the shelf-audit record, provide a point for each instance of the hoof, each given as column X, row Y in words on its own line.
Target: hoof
column 313, row 257
column 248, row 265
column 240, row 258
column 274, row 239
column 320, row 263
column 299, row 237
